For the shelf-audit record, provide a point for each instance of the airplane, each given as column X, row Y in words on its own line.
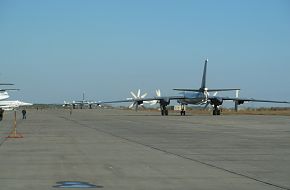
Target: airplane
column 80, row 103
column 4, row 94
column 199, row 96
column 12, row 104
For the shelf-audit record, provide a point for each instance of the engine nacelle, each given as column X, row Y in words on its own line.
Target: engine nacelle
column 239, row 102
column 165, row 102
column 216, row 101
column 139, row 102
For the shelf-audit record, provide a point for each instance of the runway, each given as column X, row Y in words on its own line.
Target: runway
column 117, row 149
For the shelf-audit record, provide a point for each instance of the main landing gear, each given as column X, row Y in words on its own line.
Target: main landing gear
column 182, row 111
column 216, row 110
column 164, row 110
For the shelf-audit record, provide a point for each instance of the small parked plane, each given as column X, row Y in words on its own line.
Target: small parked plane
column 199, row 96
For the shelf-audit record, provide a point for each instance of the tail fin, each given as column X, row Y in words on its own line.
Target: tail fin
column 203, row 82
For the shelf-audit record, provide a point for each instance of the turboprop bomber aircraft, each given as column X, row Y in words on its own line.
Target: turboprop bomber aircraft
column 199, row 96
column 80, row 103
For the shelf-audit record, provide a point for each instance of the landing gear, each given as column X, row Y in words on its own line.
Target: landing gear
column 216, row 111
column 182, row 112
column 164, row 110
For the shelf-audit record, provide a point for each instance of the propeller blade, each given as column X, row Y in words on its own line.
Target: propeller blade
column 237, row 93
column 138, row 94
column 132, row 105
column 144, row 95
column 132, row 93
column 158, row 92
column 215, row 94
column 206, row 105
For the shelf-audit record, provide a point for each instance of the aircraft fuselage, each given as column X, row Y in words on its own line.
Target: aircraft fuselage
column 193, row 98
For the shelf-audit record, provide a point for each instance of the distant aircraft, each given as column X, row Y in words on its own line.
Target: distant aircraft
column 81, row 103
column 199, row 96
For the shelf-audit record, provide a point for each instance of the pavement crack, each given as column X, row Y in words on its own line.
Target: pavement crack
column 179, row 155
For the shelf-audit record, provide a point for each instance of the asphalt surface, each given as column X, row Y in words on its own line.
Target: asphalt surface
column 115, row 149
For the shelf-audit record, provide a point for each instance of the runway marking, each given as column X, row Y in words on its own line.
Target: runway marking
column 178, row 155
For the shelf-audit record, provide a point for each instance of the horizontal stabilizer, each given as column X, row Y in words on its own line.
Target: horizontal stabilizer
column 185, row 89
column 222, row 89
column 205, row 89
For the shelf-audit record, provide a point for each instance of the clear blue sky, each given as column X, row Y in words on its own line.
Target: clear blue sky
column 54, row 50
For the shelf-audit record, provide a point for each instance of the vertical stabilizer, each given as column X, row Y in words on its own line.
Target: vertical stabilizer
column 203, row 82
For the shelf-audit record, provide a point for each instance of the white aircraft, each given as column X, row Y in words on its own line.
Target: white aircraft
column 193, row 96
column 13, row 104
column 4, row 94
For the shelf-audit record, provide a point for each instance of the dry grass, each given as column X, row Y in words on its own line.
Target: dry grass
column 284, row 112
column 259, row 111
column 263, row 111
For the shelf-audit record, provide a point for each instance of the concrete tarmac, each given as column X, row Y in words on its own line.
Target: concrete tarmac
column 125, row 150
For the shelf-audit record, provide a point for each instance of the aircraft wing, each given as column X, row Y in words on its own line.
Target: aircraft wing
column 163, row 98
column 242, row 100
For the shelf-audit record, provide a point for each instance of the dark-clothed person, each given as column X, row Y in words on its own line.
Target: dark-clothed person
column 1, row 114
column 24, row 114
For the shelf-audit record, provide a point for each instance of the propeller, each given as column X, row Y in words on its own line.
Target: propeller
column 237, row 93
column 153, row 102
column 236, row 102
column 136, row 97
column 208, row 102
